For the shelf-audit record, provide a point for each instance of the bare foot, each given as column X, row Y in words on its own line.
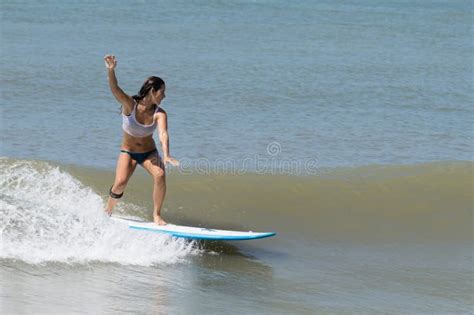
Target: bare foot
column 158, row 220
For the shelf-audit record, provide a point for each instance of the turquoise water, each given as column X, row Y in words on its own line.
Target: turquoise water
column 346, row 83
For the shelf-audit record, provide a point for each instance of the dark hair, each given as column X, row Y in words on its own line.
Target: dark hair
column 151, row 82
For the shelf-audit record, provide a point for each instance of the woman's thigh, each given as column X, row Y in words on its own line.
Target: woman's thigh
column 154, row 165
column 125, row 168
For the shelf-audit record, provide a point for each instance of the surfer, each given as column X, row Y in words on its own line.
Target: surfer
column 141, row 115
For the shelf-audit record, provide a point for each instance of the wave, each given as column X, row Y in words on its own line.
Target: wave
column 47, row 215
column 54, row 213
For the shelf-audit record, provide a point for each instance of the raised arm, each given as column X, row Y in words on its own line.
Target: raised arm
column 124, row 99
column 164, row 138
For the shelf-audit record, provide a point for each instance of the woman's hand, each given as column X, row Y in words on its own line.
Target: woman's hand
column 110, row 62
column 172, row 161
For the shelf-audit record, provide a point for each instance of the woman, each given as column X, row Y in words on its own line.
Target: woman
column 141, row 115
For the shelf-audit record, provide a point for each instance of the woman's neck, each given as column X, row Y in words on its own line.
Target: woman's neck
column 147, row 104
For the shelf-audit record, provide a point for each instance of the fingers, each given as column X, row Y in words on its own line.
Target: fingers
column 172, row 162
column 107, row 60
column 110, row 61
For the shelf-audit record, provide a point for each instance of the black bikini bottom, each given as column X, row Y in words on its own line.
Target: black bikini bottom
column 139, row 157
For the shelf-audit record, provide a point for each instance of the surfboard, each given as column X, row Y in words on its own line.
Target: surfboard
column 193, row 232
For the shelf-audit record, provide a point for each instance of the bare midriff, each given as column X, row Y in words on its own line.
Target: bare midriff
column 135, row 144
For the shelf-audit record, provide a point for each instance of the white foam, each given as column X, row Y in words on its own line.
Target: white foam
column 46, row 215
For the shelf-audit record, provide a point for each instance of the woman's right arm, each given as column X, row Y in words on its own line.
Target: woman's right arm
column 120, row 95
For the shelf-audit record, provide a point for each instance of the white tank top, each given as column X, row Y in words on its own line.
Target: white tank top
column 131, row 126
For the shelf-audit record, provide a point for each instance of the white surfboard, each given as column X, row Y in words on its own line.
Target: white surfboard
column 193, row 232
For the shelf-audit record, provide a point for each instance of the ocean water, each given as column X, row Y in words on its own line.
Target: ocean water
column 370, row 240
column 346, row 127
column 347, row 83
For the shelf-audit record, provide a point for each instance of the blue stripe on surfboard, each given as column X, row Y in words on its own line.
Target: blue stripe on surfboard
column 205, row 237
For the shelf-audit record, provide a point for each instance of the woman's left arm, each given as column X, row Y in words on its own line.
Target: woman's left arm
column 164, row 138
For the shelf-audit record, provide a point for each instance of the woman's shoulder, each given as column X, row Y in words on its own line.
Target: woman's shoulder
column 160, row 114
column 160, row 110
column 128, row 110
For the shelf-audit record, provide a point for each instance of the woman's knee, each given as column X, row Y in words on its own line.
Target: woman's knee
column 159, row 175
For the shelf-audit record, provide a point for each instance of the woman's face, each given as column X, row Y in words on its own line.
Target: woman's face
column 159, row 95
